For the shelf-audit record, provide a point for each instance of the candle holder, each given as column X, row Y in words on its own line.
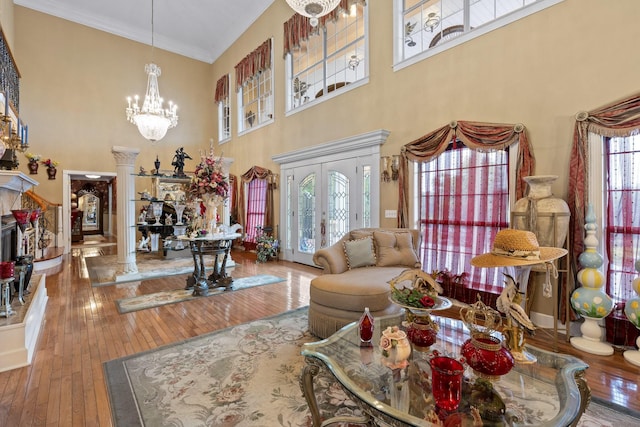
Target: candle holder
column 156, row 208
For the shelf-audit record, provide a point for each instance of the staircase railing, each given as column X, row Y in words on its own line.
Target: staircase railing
column 48, row 230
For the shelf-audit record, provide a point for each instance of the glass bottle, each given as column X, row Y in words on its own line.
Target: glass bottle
column 366, row 326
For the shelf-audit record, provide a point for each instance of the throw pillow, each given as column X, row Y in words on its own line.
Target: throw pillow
column 359, row 253
column 395, row 249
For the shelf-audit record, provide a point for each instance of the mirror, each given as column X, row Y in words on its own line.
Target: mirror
column 89, row 204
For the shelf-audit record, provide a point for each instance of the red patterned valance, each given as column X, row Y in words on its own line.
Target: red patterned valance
column 222, row 88
column 257, row 61
column 298, row 29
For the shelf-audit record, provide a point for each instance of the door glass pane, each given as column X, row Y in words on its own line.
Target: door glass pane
column 366, row 196
column 338, row 206
column 307, row 214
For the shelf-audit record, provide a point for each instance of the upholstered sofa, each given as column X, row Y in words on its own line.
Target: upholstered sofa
column 356, row 270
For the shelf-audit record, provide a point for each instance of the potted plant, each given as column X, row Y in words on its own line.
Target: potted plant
column 266, row 247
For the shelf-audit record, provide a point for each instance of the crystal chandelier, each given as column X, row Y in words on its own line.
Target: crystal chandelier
column 152, row 120
column 313, row 9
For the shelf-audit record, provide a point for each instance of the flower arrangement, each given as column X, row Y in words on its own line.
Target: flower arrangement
column 50, row 163
column 423, row 292
column 266, row 247
column 209, row 179
column 33, row 157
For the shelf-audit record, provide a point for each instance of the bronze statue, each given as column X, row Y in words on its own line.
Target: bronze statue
column 178, row 163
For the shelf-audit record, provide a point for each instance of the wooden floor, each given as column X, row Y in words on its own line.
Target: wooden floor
column 82, row 329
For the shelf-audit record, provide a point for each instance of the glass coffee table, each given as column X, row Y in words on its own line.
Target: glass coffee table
column 552, row 392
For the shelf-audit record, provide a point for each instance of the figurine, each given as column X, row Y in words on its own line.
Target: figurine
column 178, row 163
column 142, row 218
column 143, row 245
column 168, row 219
column 142, row 171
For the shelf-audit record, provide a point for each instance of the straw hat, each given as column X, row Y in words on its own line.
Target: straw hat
column 516, row 247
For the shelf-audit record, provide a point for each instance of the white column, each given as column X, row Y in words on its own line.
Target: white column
column 125, row 161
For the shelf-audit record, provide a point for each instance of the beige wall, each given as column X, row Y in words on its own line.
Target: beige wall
column 539, row 71
column 73, row 91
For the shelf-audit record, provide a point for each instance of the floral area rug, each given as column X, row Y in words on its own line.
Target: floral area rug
column 247, row 375
column 142, row 302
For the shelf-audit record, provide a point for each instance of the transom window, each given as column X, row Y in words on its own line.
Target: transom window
column 329, row 59
column 426, row 27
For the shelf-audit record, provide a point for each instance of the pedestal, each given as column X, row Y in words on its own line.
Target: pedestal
column 591, row 339
column 633, row 356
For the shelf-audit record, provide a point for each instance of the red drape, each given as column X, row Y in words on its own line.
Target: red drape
column 254, row 63
column 478, row 136
column 618, row 119
column 256, row 172
column 222, row 88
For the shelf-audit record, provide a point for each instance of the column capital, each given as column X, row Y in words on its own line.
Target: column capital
column 125, row 156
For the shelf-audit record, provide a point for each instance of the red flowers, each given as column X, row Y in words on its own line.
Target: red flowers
column 427, row 301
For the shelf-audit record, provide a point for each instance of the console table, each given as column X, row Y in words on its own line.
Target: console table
column 217, row 245
column 552, row 392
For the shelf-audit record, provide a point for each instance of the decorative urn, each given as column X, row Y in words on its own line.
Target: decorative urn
column 395, row 347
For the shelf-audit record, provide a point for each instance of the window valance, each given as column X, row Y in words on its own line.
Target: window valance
column 254, row 63
column 298, row 29
column 477, row 136
column 222, row 88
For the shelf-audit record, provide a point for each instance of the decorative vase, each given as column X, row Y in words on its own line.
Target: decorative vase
column 179, row 207
column 486, row 356
column 537, row 209
column 365, row 326
column 51, row 173
column 422, row 332
column 632, row 311
column 33, row 167
column 589, row 300
column 157, row 165
column 395, row 347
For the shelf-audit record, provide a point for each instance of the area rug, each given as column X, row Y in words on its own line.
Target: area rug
column 142, row 302
column 247, row 375
column 102, row 269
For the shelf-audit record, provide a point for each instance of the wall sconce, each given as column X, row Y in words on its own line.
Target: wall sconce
column 390, row 168
column 273, row 180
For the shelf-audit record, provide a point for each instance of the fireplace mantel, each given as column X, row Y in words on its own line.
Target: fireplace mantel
column 12, row 182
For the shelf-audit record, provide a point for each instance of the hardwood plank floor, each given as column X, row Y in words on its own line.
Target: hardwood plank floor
column 82, row 329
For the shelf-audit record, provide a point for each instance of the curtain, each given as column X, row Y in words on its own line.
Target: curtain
column 233, row 205
column 222, row 88
column 297, row 29
column 256, row 172
column 477, row 136
column 618, row 119
column 254, row 63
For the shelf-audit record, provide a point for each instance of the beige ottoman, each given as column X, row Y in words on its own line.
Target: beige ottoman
column 339, row 299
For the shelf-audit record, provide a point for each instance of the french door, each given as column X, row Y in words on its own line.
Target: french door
column 326, row 202
column 326, row 191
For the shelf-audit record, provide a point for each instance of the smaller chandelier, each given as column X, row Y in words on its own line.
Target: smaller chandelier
column 152, row 120
column 313, row 9
column 432, row 21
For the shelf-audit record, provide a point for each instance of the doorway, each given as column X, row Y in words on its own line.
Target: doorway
column 326, row 191
column 89, row 199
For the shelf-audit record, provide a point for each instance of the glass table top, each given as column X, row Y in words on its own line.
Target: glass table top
column 542, row 394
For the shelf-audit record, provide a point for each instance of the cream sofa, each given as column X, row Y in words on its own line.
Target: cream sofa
column 356, row 270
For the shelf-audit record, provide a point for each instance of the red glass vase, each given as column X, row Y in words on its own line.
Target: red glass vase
column 486, row 356
column 365, row 326
column 23, row 218
column 422, row 334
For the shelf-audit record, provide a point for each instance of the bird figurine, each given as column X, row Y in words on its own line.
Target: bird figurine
column 420, row 280
column 508, row 303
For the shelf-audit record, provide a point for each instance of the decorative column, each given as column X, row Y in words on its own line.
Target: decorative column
column 589, row 300
column 125, row 162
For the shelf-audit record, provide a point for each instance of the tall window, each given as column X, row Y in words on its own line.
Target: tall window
column 622, row 229
column 254, row 84
column 224, row 118
column 425, row 27
column 256, row 208
column 464, row 201
column 328, row 58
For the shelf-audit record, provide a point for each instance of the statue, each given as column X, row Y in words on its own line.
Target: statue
column 142, row 218
column 143, row 245
column 178, row 163
column 168, row 219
